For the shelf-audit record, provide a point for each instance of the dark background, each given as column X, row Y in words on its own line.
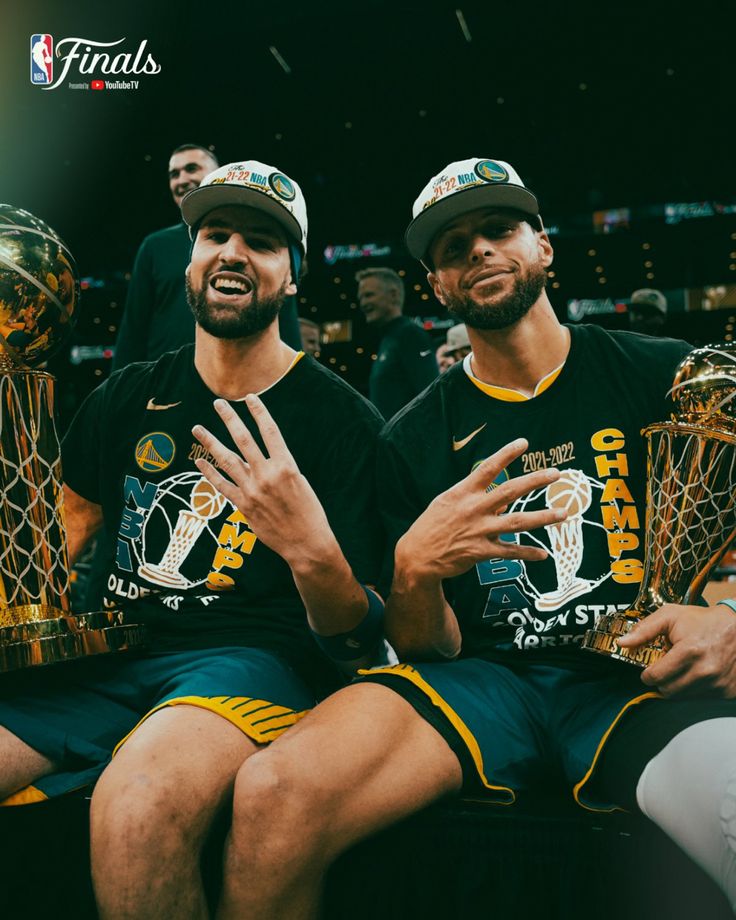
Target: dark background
column 597, row 106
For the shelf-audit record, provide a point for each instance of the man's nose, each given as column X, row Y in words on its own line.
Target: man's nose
column 235, row 250
column 481, row 248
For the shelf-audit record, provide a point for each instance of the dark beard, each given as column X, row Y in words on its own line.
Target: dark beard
column 235, row 324
column 525, row 294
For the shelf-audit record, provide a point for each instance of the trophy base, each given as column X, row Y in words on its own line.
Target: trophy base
column 67, row 637
column 604, row 640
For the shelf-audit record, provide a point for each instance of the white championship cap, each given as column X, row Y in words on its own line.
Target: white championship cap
column 461, row 187
column 254, row 185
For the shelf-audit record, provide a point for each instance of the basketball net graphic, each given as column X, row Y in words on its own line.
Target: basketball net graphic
column 206, row 503
column 571, row 493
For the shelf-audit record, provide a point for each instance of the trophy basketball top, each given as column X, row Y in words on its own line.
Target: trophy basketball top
column 704, row 388
column 39, row 289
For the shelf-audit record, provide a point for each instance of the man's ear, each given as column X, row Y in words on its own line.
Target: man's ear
column 291, row 287
column 545, row 248
column 437, row 288
column 188, row 272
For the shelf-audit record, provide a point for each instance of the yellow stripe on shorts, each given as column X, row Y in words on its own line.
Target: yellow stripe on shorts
column 258, row 719
column 411, row 674
column 652, row 695
column 29, row 795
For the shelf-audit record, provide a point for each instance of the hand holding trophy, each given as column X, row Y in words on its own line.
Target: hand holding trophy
column 691, row 498
column 39, row 295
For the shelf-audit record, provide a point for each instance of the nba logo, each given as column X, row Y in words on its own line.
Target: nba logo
column 42, row 60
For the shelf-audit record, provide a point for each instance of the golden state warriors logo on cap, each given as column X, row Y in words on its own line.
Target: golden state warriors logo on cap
column 490, row 171
column 283, row 186
column 155, row 451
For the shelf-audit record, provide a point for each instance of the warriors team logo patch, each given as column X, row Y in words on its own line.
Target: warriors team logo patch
column 283, row 186
column 155, row 451
column 490, row 171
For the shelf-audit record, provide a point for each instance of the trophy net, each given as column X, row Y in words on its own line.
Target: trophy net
column 691, row 512
column 34, row 572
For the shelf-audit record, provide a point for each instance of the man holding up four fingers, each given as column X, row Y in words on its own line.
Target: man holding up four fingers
column 253, row 595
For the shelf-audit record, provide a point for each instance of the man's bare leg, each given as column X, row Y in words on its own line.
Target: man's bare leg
column 20, row 765
column 359, row 762
column 152, row 810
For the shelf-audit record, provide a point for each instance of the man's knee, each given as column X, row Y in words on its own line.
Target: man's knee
column 139, row 807
column 273, row 796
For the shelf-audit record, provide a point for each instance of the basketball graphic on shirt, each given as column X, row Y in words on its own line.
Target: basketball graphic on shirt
column 179, row 536
column 571, row 493
column 563, row 576
column 206, row 500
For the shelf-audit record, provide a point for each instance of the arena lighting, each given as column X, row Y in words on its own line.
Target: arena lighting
column 282, row 63
column 463, row 26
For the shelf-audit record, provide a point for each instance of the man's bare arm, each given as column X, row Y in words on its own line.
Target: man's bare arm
column 82, row 520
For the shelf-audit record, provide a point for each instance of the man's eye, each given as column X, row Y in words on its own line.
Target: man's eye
column 192, row 168
column 217, row 236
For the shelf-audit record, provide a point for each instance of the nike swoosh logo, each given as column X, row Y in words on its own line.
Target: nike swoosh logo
column 154, row 407
column 423, row 354
column 458, row 445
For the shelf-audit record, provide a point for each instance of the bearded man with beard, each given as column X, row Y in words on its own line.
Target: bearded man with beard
column 513, row 491
column 252, row 589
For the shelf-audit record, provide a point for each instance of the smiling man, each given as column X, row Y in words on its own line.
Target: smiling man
column 157, row 318
column 513, row 491
column 252, row 590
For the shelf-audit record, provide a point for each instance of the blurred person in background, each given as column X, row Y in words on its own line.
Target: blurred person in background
column 406, row 362
column 458, row 343
column 444, row 359
column 454, row 349
column 157, row 317
column 310, row 336
column 648, row 311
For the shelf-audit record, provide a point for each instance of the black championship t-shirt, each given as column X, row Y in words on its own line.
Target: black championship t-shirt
column 588, row 424
column 186, row 562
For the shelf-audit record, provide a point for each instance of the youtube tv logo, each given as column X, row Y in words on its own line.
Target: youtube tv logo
column 97, row 84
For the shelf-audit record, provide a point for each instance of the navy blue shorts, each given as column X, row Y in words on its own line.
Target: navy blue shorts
column 517, row 728
column 77, row 714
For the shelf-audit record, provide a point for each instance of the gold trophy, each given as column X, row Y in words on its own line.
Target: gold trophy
column 691, row 498
column 39, row 293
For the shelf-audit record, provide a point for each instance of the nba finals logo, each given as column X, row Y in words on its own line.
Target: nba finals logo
column 42, row 60
column 84, row 59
